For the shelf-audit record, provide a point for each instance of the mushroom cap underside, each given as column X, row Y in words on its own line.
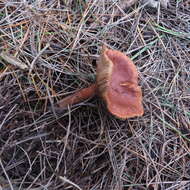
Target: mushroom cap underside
column 122, row 94
column 125, row 104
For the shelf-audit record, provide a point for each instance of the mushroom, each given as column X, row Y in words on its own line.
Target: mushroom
column 116, row 83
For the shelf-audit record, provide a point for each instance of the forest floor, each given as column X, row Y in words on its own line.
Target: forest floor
column 49, row 49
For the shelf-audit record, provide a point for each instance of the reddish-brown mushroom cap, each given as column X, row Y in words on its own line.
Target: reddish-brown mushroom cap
column 117, row 80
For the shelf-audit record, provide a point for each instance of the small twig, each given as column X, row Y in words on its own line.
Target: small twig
column 4, row 120
column 70, row 182
column 1, row 164
column 65, row 143
column 13, row 61
column 35, row 59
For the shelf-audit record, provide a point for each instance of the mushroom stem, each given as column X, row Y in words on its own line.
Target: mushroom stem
column 78, row 96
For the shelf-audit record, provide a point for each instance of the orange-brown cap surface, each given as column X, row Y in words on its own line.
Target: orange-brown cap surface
column 117, row 80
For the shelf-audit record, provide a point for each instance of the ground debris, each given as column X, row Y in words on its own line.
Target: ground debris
column 13, row 61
